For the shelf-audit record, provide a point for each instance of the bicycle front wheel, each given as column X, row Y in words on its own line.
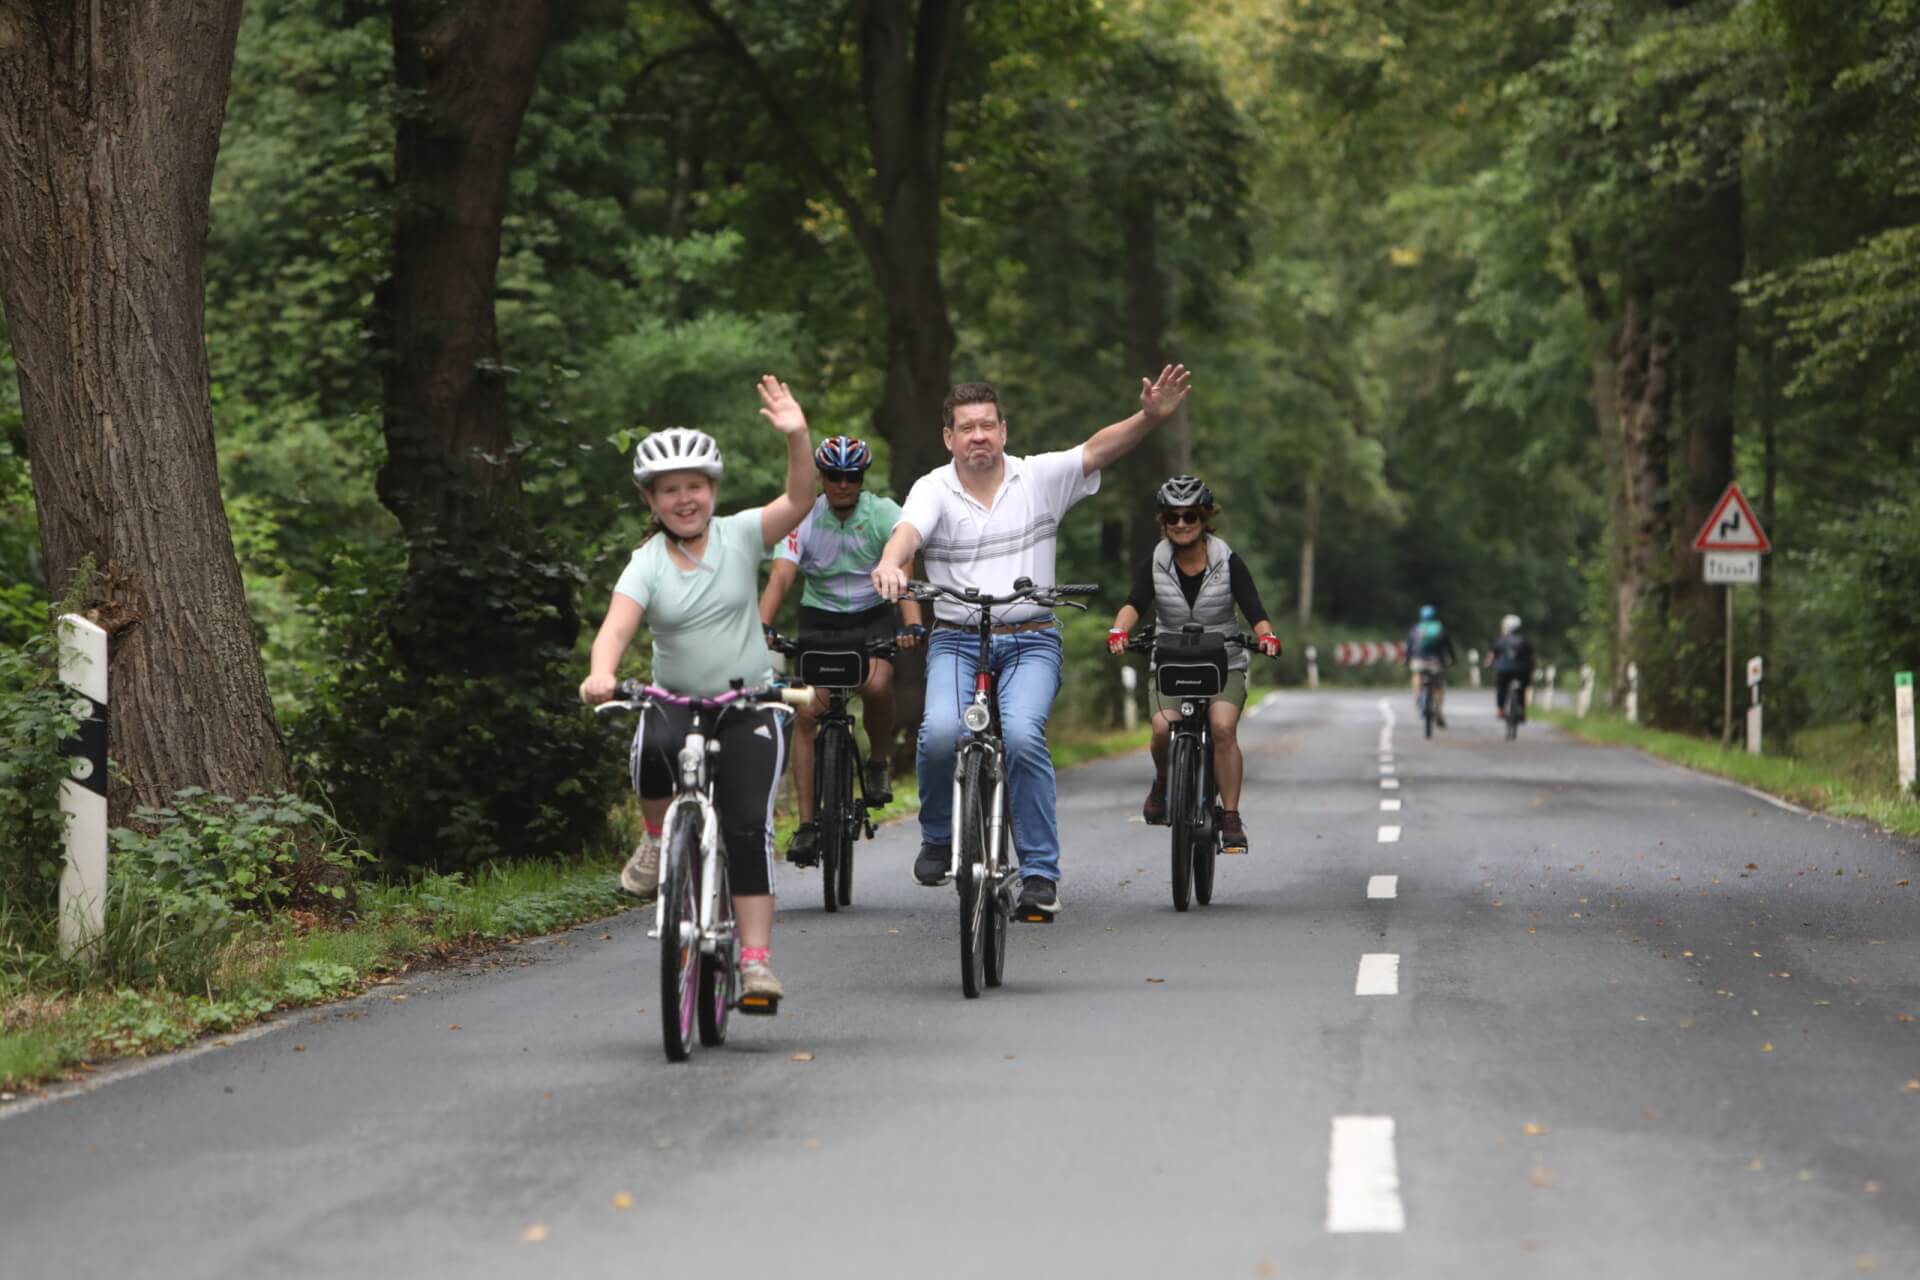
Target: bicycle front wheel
column 1183, row 776
column 680, row 934
column 720, row 968
column 974, row 878
column 832, row 801
column 1426, row 708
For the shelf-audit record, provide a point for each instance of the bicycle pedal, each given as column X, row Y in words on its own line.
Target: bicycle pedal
column 1234, row 853
column 1034, row 917
column 759, row 1006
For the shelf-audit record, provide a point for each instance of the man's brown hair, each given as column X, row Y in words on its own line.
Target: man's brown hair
column 969, row 393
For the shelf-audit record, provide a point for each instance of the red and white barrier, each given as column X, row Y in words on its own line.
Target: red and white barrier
column 1366, row 654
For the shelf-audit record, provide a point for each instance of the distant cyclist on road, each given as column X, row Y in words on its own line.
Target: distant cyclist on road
column 835, row 549
column 1430, row 649
column 696, row 581
column 1511, row 657
column 984, row 521
column 1193, row 576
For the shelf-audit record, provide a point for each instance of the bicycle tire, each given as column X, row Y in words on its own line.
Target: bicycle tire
column 1426, row 708
column 680, row 936
column 1181, row 785
column 974, row 879
column 850, row 828
column 720, row 971
column 831, row 801
column 999, row 917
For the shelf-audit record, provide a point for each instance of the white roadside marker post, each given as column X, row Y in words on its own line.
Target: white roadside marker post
column 1473, row 667
column 1313, row 667
column 1633, row 693
column 1754, row 669
column 83, row 796
column 1584, row 703
column 1129, row 709
column 1553, row 685
column 1903, row 724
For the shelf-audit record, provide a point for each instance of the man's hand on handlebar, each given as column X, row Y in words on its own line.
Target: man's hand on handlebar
column 890, row 580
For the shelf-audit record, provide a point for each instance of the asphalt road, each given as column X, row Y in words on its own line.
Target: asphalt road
column 1615, row 1020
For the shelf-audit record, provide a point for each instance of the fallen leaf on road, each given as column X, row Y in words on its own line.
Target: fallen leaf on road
column 893, row 931
column 401, row 996
column 606, row 937
column 1767, row 1047
column 803, row 1057
column 623, row 1201
column 1639, row 1017
column 1156, row 979
column 1533, row 1129
column 812, row 1144
column 1781, row 973
column 1863, row 1263
column 1753, row 866
column 1871, row 1187
column 1687, row 954
column 1911, row 1086
column 299, row 1048
column 453, row 1026
column 535, row 1233
column 1756, row 1165
column 1541, row 1179
column 1903, row 1017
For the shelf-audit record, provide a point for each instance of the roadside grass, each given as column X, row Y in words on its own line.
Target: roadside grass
column 51, row 1029
column 1844, row 770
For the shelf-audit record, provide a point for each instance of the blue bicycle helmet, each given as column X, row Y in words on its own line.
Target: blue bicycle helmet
column 843, row 453
column 1428, row 613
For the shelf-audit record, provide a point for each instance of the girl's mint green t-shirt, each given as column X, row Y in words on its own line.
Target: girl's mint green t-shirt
column 705, row 621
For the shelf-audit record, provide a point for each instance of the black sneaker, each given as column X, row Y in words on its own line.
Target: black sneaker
column 1039, row 900
column 804, row 849
column 934, row 866
column 879, row 785
column 1440, row 719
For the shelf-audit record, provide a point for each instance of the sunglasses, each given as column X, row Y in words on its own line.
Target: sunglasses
column 844, row 477
column 1189, row 516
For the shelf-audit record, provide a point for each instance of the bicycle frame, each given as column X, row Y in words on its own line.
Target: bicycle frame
column 695, row 791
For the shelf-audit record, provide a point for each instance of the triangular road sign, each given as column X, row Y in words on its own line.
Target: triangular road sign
column 1732, row 527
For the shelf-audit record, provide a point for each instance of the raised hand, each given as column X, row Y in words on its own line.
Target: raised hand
column 1162, row 396
column 778, row 406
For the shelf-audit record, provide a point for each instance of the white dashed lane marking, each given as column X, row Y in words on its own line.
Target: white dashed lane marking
column 1389, row 784
column 1389, row 806
column 1383, row 886
column 1389, row 835
column 1379, row 974
column 1363, row 1177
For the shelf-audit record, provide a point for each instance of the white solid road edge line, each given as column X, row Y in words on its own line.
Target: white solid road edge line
column 1363, row 1176
column 1379, row 974
column 1389, row 835
column 1383, row 886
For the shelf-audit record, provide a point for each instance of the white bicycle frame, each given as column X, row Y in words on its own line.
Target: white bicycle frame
column 996, row 810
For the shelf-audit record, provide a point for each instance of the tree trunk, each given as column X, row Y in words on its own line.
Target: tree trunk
column 469, row 71
column 1309, row 541
column 109, row 124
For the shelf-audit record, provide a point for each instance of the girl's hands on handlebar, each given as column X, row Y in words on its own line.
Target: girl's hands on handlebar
column 597, row 688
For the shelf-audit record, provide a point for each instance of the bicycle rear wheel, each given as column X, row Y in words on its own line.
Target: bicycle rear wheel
column 720, row 971
column 833, row 797
column 1426, row 707
column 1513, row 714
column 680, row 934
column 974, row 879
column 1182, row 782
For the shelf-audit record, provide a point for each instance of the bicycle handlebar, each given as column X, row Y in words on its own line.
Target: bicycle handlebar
column 1049, row 596
column 872, row 646
column 632, row 695
column 1143, row 639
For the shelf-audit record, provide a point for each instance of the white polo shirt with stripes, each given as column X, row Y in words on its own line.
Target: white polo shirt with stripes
column 966, row 544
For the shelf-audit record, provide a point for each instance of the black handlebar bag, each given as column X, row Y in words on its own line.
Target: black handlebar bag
column 1190, row 664
column 834, row 660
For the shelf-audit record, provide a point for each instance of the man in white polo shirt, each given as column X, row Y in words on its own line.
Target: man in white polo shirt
column 985, row 520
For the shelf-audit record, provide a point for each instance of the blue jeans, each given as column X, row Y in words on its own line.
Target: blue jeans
column 1026, row 671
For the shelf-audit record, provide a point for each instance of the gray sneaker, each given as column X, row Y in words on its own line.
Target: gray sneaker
column 934, row 866
column 641, row 876
column 760, row 990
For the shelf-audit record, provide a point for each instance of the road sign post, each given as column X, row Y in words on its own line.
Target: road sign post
column 1553, row 685
column 1754, row 669
column 1903, row 725
column 1633, row 693
column 83, row 795
column 1733, row 542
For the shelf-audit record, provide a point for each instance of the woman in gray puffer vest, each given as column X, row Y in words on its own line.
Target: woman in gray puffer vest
column 1194, row 577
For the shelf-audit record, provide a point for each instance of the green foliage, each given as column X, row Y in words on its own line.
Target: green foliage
column 490, row 756
column 1855, row 588
column 252, row 853
column 34, row 719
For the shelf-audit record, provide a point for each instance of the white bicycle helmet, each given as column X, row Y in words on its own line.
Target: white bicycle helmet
column 1509, row 624
column 675, row 449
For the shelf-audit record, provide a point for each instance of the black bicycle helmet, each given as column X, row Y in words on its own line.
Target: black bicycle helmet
column 1184, row 491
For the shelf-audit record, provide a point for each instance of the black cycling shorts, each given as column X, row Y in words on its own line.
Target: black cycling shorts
column 746, row 776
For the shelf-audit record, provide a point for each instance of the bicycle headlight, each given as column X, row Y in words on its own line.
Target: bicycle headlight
column 1186, row 710
column 976, row 717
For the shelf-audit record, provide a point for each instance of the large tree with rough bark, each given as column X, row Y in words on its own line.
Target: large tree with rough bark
column 110, row 119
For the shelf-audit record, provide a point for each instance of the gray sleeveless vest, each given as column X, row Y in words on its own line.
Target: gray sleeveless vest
column 1212, row 608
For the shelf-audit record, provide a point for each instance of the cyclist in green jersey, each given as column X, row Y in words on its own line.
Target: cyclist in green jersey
column 835, row 549
column 696, row 582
